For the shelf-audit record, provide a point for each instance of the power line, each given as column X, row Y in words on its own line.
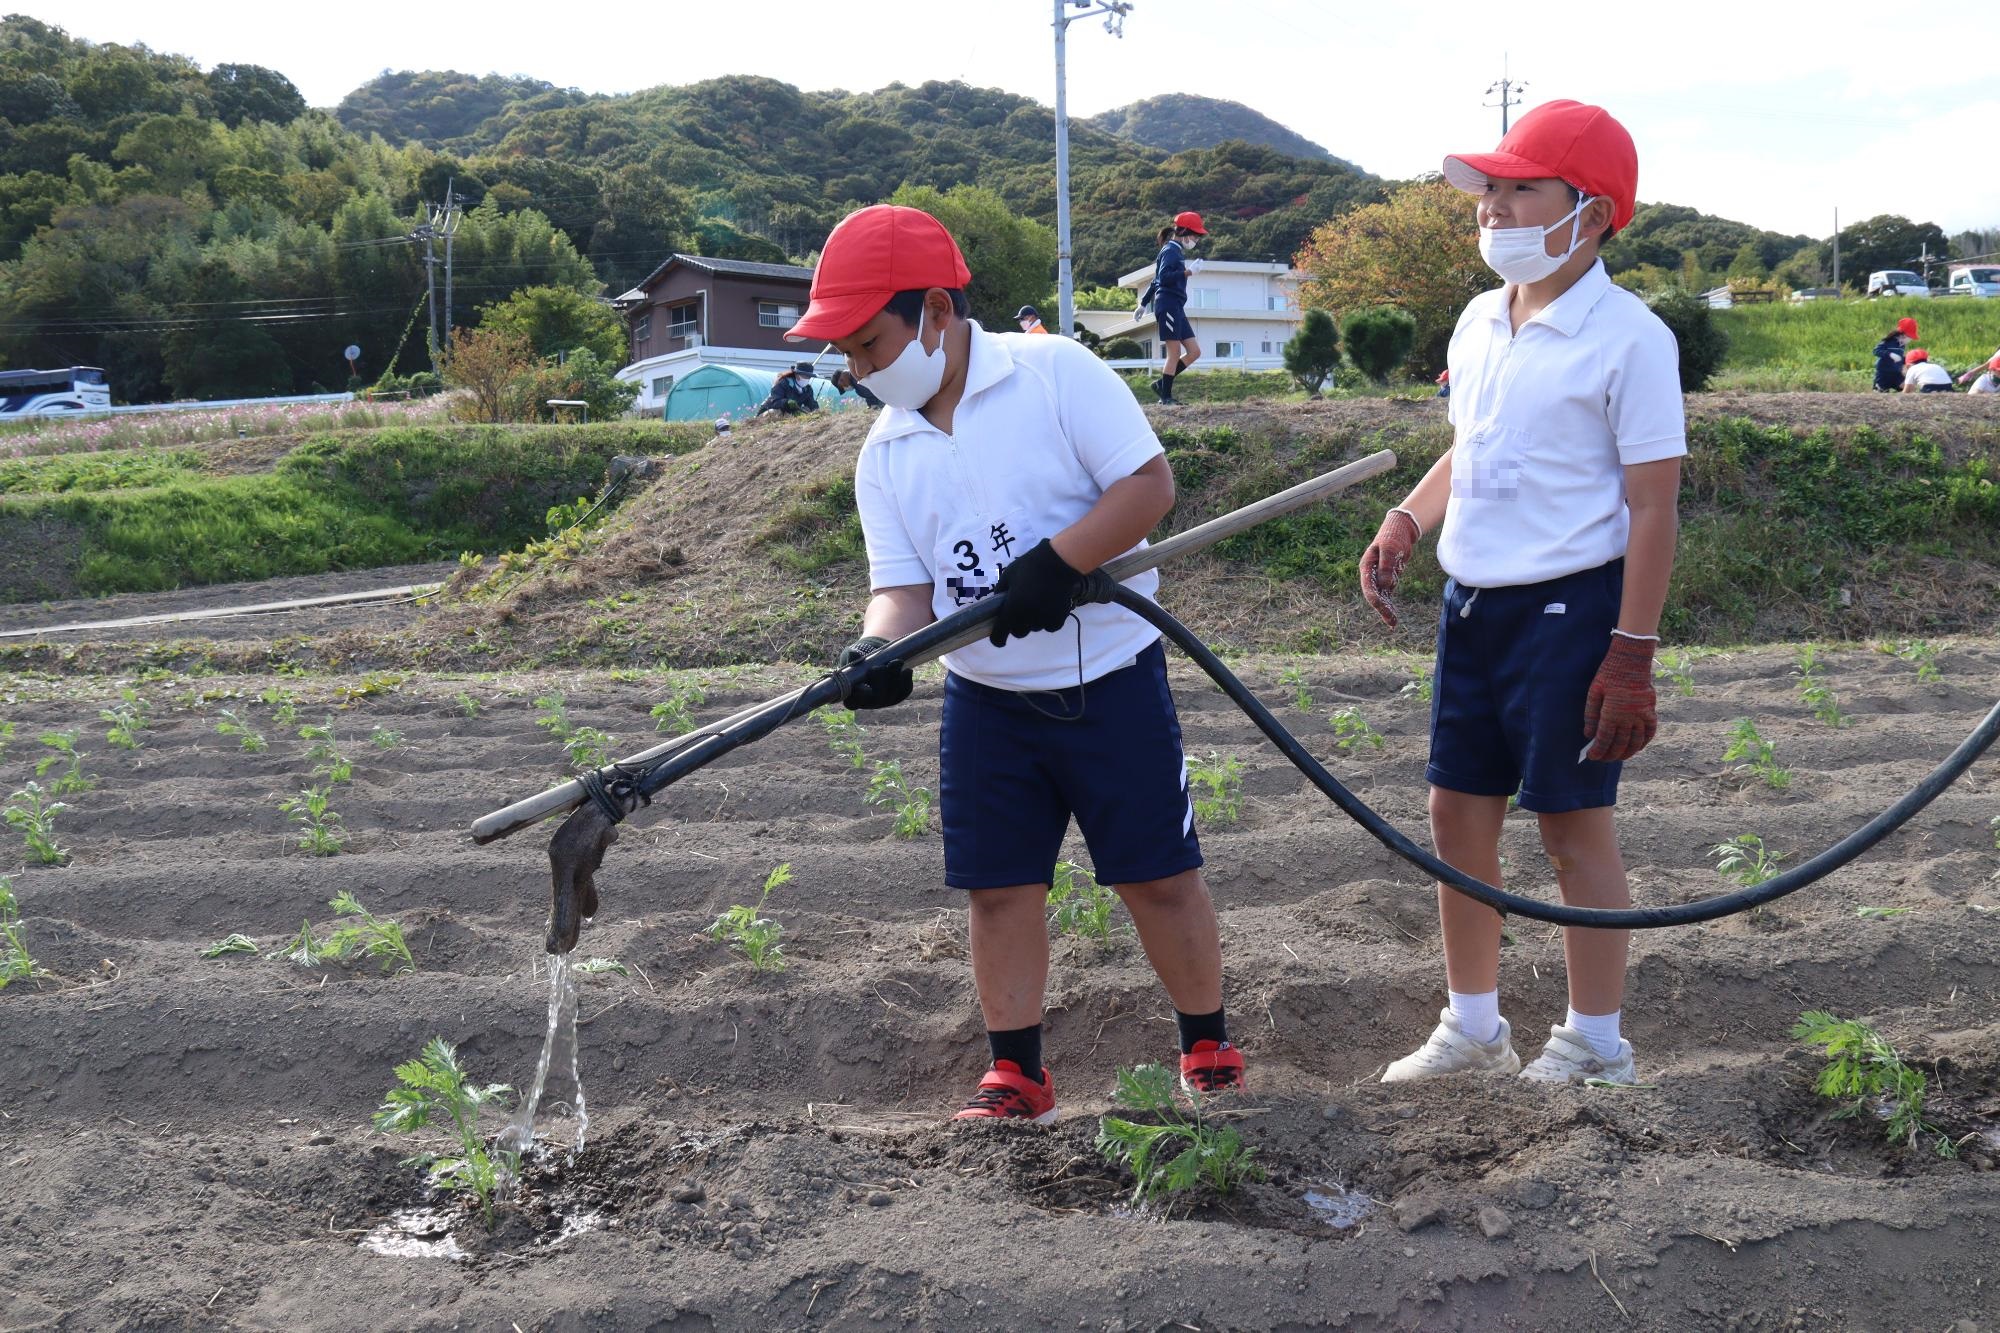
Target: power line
column 1509, row 90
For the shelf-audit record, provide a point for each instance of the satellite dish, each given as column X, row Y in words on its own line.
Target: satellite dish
column 353, row 352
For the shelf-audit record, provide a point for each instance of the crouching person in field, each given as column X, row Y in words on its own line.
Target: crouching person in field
column 1003, row 463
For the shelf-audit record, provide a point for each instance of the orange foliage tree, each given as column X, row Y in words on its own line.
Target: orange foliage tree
column 1418, row 250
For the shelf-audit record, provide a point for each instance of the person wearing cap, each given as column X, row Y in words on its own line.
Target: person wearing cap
column 1889, row 355
column 721, row 426
column 1169, row 300
column 791, row 392
column 845, row 382
column 1015, row 466
column 1989, row 377
column 1923, row 375
column 1030, row 319
column 1556, row 522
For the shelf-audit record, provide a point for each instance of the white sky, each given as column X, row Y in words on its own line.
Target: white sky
column 1771, row 113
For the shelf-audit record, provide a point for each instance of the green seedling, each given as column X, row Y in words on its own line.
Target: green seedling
column 323, row 751
column 1677, row 669
column 592, row 966
column 378, row 682
column 1882, row 913
column 284, row 706
column 588, row 748
column 888, row 787
column 1814, row 691
column 385, row 740
column 33, row 815
column 552, row 714
column 1924, row 654
column 16, row 963
column 251, row 742
column 127, row 720
column 71, row 779
column 1182, row 1154
column 6, row 736
column 1864, row 1071
column 1218, row 784
column 1744, row 860
column 750, row 933
column 1418, row 689
column 312, row 810
column 843, row 734
column 1295, row 678
column 467, row 705
column 376, row 938
column 674, row 714
column 1750, row 750
column 305, row 950
column 232, row 944
column 434, row 1087
column 1351, row 729
column 1082, row 905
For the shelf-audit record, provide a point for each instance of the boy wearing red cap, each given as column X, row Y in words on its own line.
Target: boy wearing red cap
column 1169, row 293
column 1556, row 521
column 1889, row 355
column 1923, row 375
column 1004, row 463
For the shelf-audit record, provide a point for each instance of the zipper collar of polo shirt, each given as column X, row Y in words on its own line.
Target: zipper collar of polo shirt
column 987, row 362
column 1567, row 312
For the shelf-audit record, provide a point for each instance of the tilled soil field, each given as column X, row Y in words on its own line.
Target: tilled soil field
column 186, row 1141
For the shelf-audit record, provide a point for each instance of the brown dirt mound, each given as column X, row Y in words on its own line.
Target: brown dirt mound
column 186, row 1141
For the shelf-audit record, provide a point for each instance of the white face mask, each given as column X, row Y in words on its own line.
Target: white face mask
column 914, row 377
column 1518, row 255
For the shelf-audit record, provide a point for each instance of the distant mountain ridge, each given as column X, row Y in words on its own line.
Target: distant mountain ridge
column 1179, row 121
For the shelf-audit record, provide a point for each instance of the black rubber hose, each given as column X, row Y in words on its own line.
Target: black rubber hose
column 1630, row 918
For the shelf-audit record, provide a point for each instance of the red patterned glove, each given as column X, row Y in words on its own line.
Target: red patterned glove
column 1382, row 563
column 1619, row 712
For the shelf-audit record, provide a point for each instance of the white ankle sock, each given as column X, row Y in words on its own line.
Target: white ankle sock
column 1478, row 1015
column 1600, row 1030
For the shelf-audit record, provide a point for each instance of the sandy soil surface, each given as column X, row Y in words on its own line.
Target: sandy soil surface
column 186, row 1142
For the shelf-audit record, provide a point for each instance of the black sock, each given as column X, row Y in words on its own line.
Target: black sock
column 1200, row 1027
column 1021, row 1045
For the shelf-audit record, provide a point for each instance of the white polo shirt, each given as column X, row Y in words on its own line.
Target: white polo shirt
column 1926, row 372
column 1545, row 421
column 1043, row 429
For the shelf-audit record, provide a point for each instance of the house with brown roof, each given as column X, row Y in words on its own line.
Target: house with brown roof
column 693, row 311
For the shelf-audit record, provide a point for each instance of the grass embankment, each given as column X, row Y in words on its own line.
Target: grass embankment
column 1885, row 522
column 1829, row 345
column 150, row 520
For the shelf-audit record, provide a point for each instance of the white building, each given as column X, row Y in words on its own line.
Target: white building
column 1243, row 314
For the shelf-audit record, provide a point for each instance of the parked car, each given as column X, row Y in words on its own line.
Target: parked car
column 1897, row 282
column 1974, row 280
column 1816, row 294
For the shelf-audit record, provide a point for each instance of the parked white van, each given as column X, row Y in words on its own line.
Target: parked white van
column 1897, row 282
column 1974, row 280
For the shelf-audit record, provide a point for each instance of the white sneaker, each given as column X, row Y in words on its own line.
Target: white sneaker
column 1450, row 1051
column 1568, row 1058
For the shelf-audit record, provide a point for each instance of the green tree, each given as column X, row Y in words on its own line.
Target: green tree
column 1748, row 264
column 1379, row 339
column 251, row 92
column 1702, row 342
column 1887, row 240
column 1313, row 353
column 559, row 320
column 1011, row 257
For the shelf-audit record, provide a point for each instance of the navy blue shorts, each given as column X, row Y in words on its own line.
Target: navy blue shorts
column 1012, row 775
column 1514, row 666
column 1173, row 321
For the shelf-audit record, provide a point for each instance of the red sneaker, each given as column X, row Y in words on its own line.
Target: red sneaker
column 1212, row 1067
column 1008, row 1094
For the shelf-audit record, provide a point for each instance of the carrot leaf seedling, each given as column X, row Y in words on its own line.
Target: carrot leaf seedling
column 284, row 706
column 16, row 963
column 750, row 933
column 1924, row 654
column 1815, row 692
column 384, row 739
column 1864, row 1071
column 71, row 779
column 843, row 734
column 592, row 966
column 467, row 705
column 127, row 720
column 1209, row 1156
column 305, row 950
column 675, row 714
column 1744, row 860
column 251, row 742
column 312, row 810
column 231, row 944
column 1218, row 784
column 376, row 938
column 33, row 815
column 433, row 1088
column 323, row 751
column 1418, row 689
column 1295, row 678
column 1350, row 729
column 6, row 736
column 1750, row 750
column 1082, row 905
column 587, row 747
column 912, row 805
column 1677, row 669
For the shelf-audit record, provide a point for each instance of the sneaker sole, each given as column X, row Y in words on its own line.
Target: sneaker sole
column 1047, row 1117
column 1509, row 1068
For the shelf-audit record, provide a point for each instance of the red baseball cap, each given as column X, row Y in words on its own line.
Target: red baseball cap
column 1918, row 354
column 1580, row 144
column 873, row 254
column 1907, row 327
column 1994, row 364
column 1192, row 221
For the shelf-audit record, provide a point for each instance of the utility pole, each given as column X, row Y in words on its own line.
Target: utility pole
column 1509, row 90
column 1114, row 12
column 450, row 228
column 1836, row 253
column 427, row 233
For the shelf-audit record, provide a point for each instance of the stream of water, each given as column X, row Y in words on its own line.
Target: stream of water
column 558, row 1050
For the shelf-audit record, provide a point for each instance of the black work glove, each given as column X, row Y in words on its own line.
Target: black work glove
column 1038, row 591
column 575, row 854
column 883, row 685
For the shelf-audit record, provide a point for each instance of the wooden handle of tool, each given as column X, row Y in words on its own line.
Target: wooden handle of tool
column 560, row 800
